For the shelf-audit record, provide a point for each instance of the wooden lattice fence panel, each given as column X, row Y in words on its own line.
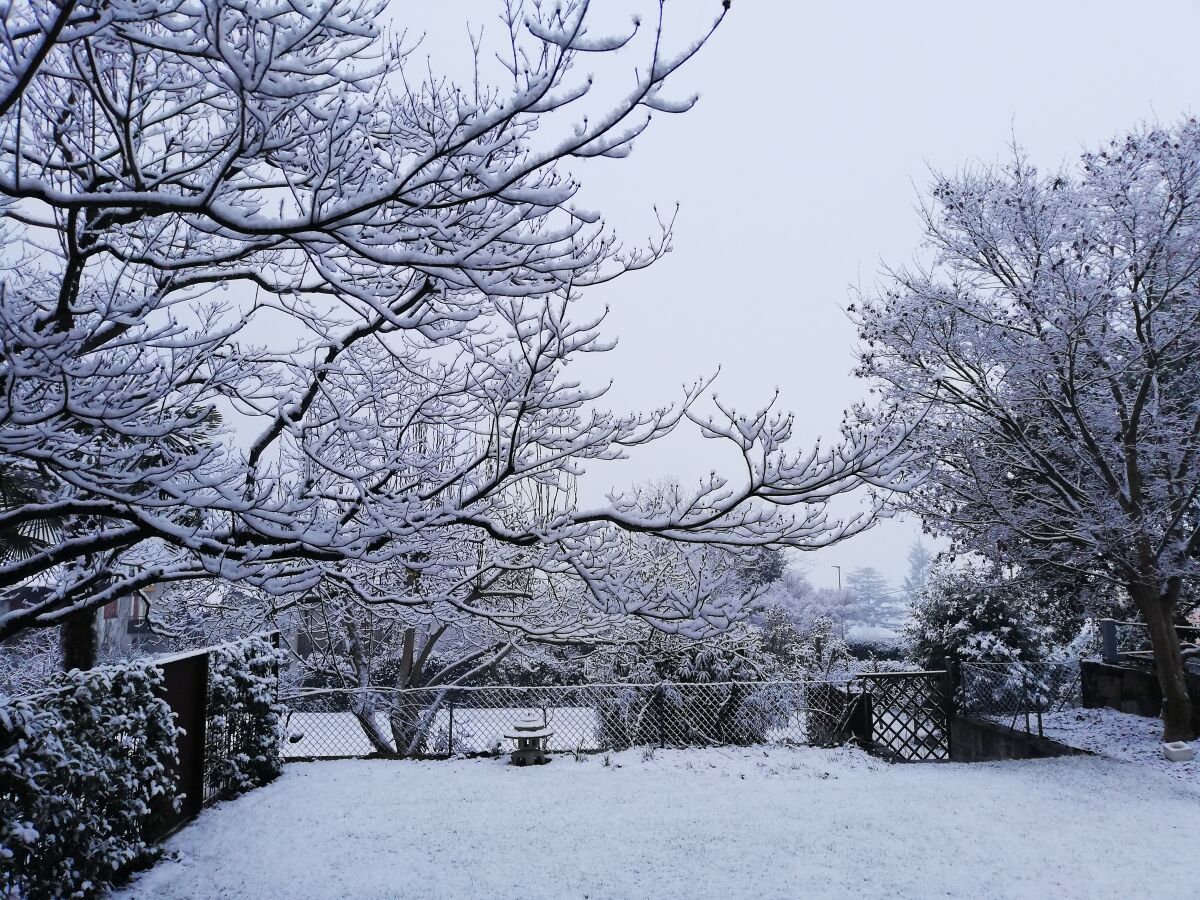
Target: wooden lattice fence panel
column 910, row 714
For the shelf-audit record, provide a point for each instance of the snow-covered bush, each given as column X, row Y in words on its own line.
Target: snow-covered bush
column 873, row 643
column 244, row 714
column 968, row 616
column 698, row 699
column 781, row 636
column 84, row 770
column 822, row 650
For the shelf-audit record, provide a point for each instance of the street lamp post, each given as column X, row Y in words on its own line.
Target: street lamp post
column 842, row 610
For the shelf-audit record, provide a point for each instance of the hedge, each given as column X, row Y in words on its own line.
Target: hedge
column 84, row 768
column 244, row 715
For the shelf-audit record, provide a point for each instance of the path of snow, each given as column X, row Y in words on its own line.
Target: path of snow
column 1118, row 735
column 696, row 824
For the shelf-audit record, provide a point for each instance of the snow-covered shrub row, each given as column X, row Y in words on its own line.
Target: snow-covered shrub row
column 695, row 714
column 873, row 643
column 84, row 770
column 244, row 715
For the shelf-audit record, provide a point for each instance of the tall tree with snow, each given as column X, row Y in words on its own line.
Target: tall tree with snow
column 872, row 595
column 260, row 209
column 919, row 562
column 1051, row 353
column 969, row 615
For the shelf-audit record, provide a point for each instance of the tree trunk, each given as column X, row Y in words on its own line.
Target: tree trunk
column 365, row 713
column 79, row 641
column 410, row 721
column 1159, row 612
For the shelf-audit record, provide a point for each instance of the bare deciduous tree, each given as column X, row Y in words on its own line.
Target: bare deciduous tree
column 1052, row 351
column 387, row 371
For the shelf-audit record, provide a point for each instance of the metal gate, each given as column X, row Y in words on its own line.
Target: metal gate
column 185, row 689
column 909, row 714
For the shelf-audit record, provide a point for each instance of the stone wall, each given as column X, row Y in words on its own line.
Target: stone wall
column 1131, row 689
column 975, row 740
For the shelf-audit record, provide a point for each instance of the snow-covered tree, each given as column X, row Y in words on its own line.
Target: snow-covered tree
column 804, row 603
column 810, row 650
column 763, row 568
column 919, row 562
column 781, row 635
column 872, row 596
column 28, row 662
column 1050, row 353
column 359, row 647
column 649, row 656
column 968, row 615
column 405, row 259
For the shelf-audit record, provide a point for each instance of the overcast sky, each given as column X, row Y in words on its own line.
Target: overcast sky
column 799, row 170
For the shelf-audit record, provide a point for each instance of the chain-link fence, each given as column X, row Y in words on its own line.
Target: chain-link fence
column 439, row 722
column 1019, row 694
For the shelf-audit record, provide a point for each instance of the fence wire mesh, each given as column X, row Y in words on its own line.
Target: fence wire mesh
column 1019, row 694
column 439, row 722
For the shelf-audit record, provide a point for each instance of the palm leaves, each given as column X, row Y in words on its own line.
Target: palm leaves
column 20, row 487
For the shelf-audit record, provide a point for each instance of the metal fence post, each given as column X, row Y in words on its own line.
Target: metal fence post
column 950, row 686
column 1108, row 641
column 1025, row 698
column 450, row 730
column 860, row 719
column 658, row 709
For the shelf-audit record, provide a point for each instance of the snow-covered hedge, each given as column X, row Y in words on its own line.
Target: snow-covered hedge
column 874, row 643
column 84, row 768
column 244, row 716
column 698, row 714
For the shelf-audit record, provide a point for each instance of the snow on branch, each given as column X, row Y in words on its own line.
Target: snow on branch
column 247, row 217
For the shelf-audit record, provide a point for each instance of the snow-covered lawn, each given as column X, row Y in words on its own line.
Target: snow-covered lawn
column 1119, row 735
column 722, row 823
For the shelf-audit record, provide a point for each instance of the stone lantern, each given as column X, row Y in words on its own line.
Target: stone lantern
column 530, row 735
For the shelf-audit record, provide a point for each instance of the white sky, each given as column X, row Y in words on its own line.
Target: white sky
column 799, row 170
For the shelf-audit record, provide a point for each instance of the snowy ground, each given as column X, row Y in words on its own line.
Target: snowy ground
column 726, row 823
column 1118, row 735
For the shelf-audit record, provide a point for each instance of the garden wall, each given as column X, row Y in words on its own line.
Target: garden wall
column 1130, row 689
column 974, row 740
